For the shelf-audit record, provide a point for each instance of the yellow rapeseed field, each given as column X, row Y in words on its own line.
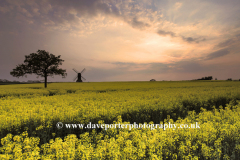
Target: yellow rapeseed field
column 29, row 114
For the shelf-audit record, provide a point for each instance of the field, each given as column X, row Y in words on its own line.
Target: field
column 29, row 114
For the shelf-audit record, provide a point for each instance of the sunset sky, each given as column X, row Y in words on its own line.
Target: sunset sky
column 124, row 40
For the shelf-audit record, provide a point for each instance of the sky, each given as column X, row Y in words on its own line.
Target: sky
column 124, row 40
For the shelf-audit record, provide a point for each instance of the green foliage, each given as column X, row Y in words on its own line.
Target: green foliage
column 42, row 64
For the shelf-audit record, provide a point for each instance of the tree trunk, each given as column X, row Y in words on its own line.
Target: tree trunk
column 45, row 80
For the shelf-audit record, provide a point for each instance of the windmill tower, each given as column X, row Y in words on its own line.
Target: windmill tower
column 79, row 76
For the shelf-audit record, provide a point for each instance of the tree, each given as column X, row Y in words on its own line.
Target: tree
column 210, row 78
column 42, row 64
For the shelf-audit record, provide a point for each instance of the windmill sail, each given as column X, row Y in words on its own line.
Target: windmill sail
column 83, row 70
column 75, row 70
column 83, row 78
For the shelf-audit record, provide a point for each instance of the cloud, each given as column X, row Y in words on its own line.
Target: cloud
column 165, row 33
column 190, row 39
column 77, row 15
column 138, row 24
column 229, row 42
column 127, row 11
column 89, row 8
column 217, row 54
column 187, row 39
column 225, row 43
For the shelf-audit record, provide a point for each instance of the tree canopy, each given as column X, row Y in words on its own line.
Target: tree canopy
column 42, row 64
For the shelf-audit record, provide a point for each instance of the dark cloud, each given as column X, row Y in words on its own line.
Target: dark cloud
column 55, row 12
column 95, row 7
column 165, row 33
column 190, row 39
column 225, row 43
column 138, row 24
column 217, row 54
column 187, row 39
column 89, row 7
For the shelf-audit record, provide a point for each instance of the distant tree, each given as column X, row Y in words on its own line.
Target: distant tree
column 215, row 78
column 206, row 78
column 210, row 78
column 229, row 79
column 152, row 80
column 42, row 64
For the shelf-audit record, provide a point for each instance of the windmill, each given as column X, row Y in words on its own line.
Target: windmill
column 79, row 76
